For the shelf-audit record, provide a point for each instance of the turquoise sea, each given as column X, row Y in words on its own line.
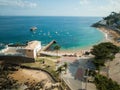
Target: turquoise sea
column 69, row 32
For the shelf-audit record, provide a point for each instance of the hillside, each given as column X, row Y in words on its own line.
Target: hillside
column 112, row 21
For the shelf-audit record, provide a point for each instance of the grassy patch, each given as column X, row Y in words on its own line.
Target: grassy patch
column 46, row 64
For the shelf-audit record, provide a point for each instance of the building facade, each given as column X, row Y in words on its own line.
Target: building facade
column 32, row 49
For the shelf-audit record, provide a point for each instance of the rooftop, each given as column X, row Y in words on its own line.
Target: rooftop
column 31, row 45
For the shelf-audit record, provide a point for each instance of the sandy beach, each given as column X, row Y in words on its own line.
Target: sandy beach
column 110, row 35
column 79, row 51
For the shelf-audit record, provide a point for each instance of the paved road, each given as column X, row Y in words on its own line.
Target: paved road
column 69, row 78
column 73, row 84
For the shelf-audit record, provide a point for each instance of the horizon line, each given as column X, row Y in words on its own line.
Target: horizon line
column 48, row 16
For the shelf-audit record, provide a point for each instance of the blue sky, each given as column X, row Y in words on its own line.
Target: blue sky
column 58, row 7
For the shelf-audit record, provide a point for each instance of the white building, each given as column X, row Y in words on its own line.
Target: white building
column 103, row 22
column 32, row 48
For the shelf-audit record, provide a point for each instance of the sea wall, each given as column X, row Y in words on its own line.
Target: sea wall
column 16, row 59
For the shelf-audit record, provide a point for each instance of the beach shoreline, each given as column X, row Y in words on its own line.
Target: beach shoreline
column 109, row 36
column 81, row 51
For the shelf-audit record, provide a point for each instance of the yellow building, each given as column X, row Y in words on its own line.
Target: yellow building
column 32, row 48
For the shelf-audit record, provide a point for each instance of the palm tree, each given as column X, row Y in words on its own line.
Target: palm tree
column 57, row 48
column 65, row 66
column 59, row 71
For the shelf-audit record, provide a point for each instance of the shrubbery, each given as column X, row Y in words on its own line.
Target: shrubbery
column 104, row 83
column 104, row 52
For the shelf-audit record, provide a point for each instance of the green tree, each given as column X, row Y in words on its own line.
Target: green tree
column 59, row 71
column 104, row 83
column 104, row 52
column 65, row 66
column 57, row 48
column 113, row 18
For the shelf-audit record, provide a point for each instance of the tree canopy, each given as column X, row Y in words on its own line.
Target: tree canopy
column 103, row 52
column 103, row 83
column 57, row 47
column 112, row 20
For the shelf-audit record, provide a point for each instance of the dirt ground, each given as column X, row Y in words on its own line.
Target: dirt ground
column 32, row 76
column 115, row 69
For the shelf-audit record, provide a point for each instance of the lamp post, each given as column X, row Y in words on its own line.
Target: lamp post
column 87, row 71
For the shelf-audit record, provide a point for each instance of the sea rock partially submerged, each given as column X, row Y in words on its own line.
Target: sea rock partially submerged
column 33, row 28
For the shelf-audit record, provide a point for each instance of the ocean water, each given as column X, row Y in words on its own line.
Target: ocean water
column 69, row 32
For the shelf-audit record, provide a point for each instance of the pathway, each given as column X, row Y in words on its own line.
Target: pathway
column 73, row 66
